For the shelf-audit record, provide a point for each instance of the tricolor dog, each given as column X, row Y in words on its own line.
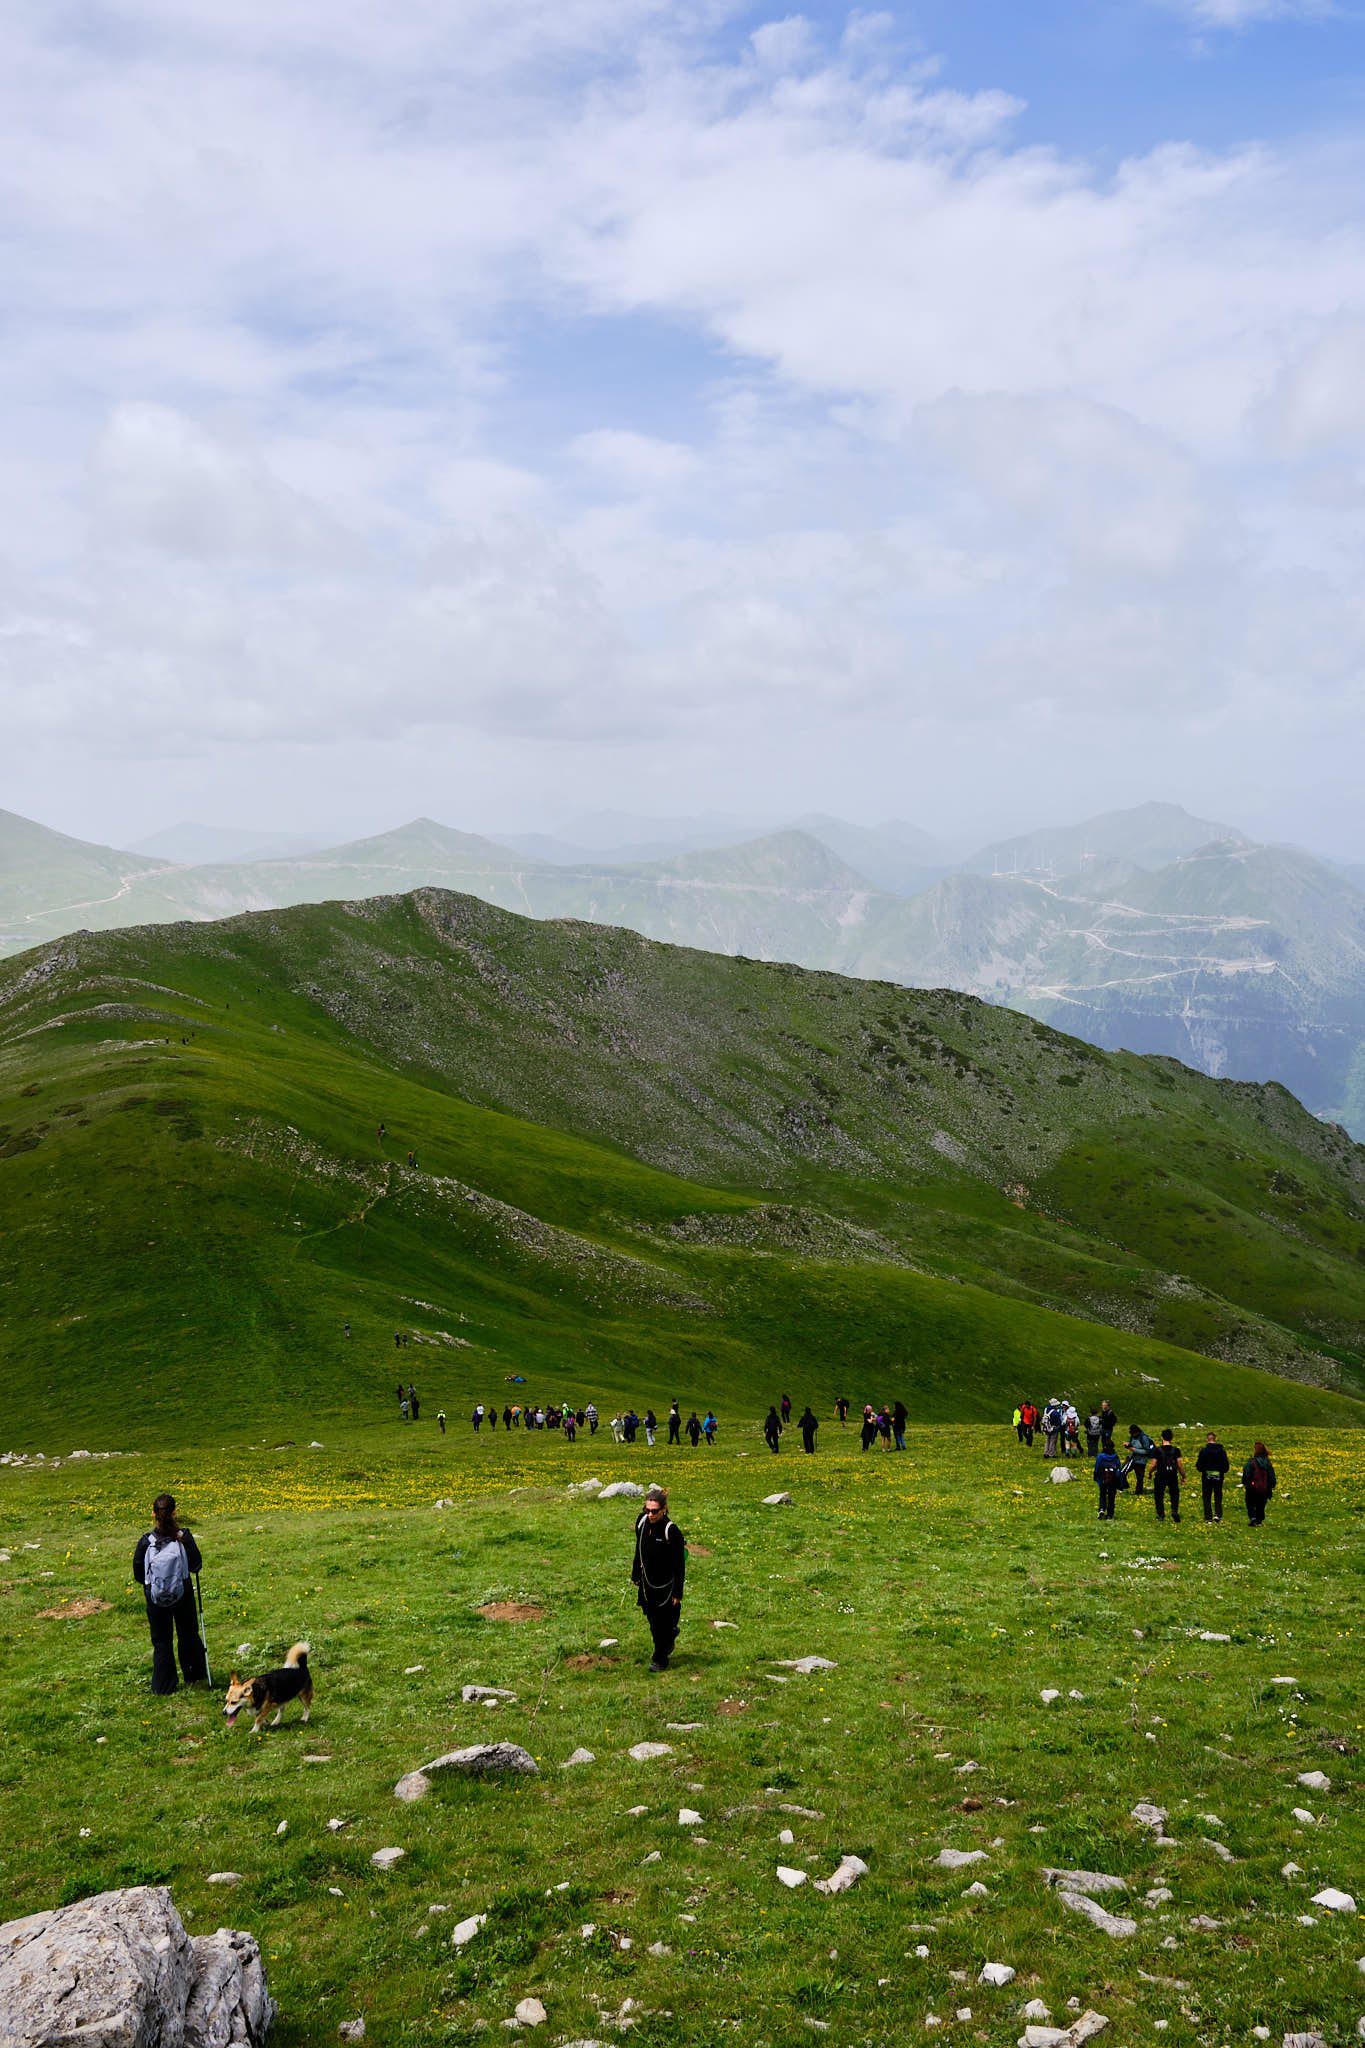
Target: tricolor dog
column 292, row 1681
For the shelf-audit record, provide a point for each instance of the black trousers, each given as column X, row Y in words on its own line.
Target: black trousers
column 1109, row 1493
column 663, row 1626
column 1028, row 1434
column 1164, row 1484
column 173, row 1627
column 1213, row 1496
column 674, row 1429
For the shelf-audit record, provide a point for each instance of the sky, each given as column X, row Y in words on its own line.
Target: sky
column 499, row 409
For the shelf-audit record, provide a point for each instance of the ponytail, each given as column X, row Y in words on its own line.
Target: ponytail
column 163, row 1510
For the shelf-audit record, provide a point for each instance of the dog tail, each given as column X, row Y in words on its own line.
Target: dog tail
column 298, row 1654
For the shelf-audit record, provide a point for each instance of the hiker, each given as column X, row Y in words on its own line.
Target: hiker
column 1109, row 1422
column 477, row 1417
column 1028, row 1415
column 164, row 1563
column 786, row 1409
column 1170, row 1470
column 657, row 1571
column 413, row 1402
column 772, row 1430
column 618, row 1428
column 591, row 1412
column 674, row 1424
column 1141, row 1449
column 1108, row 1473
column 808, row 1424
column 1017, row 1422
column 884, row 1426
column 1258, row 1483
column 1212, row 1466
column 694, row 1428
column 570, row 1426
column 403, row 1408
column 1052, row 1425
column 1071, row 1425
column 900, row 1415
column 709, row 1426
column 869, row 1429
column 630, row 1422
column 345, row 1329
column 651, row 1424
column 1092, row 1431
column 441, row 1420
column 841, row 1410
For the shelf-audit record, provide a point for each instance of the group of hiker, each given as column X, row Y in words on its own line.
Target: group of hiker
column 1060, row 1424
column 562, row 1415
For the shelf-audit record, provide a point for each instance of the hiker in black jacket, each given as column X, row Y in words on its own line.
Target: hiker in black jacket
column 173, row 1617
column 1170, row 1470
column 1258, row 1483
column 658, row 1571
column 1212, row 1464
column 772, row 1430
column 808, row 1423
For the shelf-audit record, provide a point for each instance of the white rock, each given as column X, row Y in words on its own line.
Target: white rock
column 608, row 1642
column 807, row 1664
column 778, row 1500
column 786, row 1838
column 384, row 1859
column 1304, row 1817
column 283, row 1828
column 959, row 1859
column 645, row 1752
column 1204, row 1923
column 465, row 1930
column 654, row 1856
column 996, row 1973
column 411, row 1670
column 411, row 1786
column 1308, row 1919
column 790, row 1878
column 1333, row 1901
column 1220, row 1849
column 1261, row 2033
column 351, row 2030
column 586, row 1486
column 224, row 1877
column 1149, row 1815
column 621, row 1489
column 688, row 1817
column 1208, row 1635
column 443, row 1502
column 1035, row 2010
column 725, row 1624
column 976, row 1891
column 1158, row 1896
column 1049, row 1695
column 1090, row 1881
column 1284, row 1681
column 1044, row 2037
column 580, row 1756
column 1304, row 2041
column 964, row 2012
column 1291, row 1870
column 1061, row 1475
column 475, row 1695
column 1315, row 1781
column 1108, row 1923
column 637, row 1812
column 660, row 1948
column 931, row 2019
column 850, row 1869
column 531, row 2012
column 1074, row 1695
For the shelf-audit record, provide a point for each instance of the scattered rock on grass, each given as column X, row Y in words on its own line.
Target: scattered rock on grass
column 384, row 1859
column 473, row 1695
column 354, row 2030
column 959, row 1859
column 622, row 1489
column 580, row 1756
column 806, row 1665
column 465, row 1930
column 531, row 2012
column 1090, row 1881
column 1061, row 1475
column 996, row 1973
column 790, row 1878
column 850, row 1869
column 224, row 1877
column 480, row 1759
column 1304, row 1818
column 1315, row 1781
column 1150, row 1816
column 645, row 1752
column 778, row 1500
column 1333, row 1901
column 688, row 1817
column 1114, row 1924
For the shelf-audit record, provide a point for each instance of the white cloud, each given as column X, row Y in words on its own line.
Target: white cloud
column 306, row 434
column 1235, row 14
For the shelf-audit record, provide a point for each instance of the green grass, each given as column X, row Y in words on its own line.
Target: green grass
column 951, row 1586
column 650, row 1170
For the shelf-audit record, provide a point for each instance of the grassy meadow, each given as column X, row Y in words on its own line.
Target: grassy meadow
column 951, row 1586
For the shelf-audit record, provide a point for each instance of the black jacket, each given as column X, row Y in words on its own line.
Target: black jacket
column 1213, row 1458
column 659, row 1566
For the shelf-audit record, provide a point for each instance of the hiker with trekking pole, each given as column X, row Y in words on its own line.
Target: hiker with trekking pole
column 164, row 1563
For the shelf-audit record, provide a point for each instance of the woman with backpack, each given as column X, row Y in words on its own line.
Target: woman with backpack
column 164, row 1564
column 1258, row 1483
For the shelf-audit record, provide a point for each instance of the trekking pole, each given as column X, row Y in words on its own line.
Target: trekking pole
column 203, row 1633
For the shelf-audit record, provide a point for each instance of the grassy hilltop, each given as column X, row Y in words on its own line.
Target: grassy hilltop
column 640, row 1171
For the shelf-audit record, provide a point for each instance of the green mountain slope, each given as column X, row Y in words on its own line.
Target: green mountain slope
column 51, row 884
column 639, row 1171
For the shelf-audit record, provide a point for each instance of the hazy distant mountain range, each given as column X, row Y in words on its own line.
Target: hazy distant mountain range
column 1148, row 928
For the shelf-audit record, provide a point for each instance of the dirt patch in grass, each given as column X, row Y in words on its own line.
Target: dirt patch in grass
column 587, row 1660
column 512, row 1610
column 74, row 1610
column 732, row 1707
column 699, row 1550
